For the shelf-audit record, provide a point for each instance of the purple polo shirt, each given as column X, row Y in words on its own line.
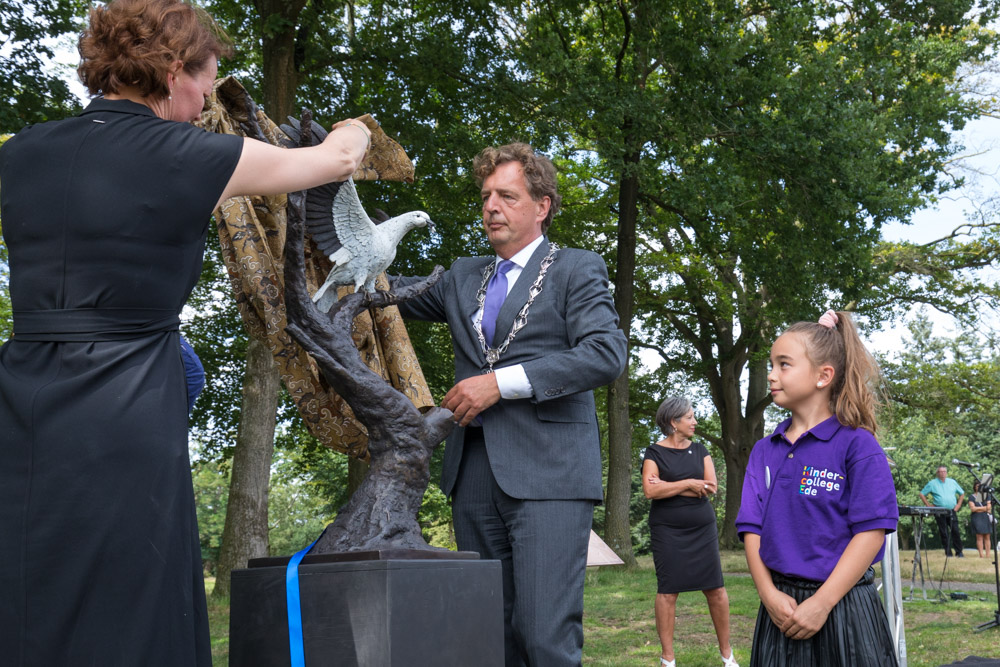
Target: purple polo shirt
column 807, row 500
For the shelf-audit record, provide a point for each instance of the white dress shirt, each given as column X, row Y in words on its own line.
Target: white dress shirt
column 512, row 380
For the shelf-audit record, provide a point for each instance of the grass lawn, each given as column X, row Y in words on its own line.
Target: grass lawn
column 619, row 628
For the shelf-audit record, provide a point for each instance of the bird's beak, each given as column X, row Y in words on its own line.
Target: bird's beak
column 430, row 226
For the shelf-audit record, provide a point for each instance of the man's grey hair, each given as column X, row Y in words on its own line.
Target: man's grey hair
column 672, row 407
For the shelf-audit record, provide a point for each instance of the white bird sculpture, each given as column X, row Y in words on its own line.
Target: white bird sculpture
column 362, row 249
column 359, row 248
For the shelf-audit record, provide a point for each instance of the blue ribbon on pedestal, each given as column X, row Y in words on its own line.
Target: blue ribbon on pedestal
column 295, row 643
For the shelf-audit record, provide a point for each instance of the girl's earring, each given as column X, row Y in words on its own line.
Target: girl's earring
column 819, row 385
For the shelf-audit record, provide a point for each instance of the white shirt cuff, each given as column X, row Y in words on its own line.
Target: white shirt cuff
column 513, row 382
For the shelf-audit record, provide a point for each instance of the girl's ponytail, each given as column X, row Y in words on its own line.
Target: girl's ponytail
column 856, row 392
column 860, row 393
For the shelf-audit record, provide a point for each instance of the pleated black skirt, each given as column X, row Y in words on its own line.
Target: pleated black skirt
column 856, row 634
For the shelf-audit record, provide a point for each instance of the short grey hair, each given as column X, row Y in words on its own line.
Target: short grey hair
column 672, row 407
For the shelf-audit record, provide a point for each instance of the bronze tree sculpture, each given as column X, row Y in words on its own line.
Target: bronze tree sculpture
column 382, row 513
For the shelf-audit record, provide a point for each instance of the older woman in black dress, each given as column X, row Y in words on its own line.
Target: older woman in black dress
column 678, row 475
column 105, row 216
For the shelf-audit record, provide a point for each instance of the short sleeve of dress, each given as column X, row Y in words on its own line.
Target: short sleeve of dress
column 700, row 450
column 202, row 164
column 651, row 455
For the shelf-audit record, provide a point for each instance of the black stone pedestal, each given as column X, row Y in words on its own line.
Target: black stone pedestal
column 371, row 613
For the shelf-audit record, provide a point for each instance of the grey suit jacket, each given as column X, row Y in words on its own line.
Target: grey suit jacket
column 545, row 447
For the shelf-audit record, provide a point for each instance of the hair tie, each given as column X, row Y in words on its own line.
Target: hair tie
column 829, row 319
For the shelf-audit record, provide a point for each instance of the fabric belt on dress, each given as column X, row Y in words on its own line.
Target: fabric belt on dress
column 92, row 324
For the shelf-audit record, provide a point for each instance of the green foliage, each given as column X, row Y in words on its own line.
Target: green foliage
column 213, row 326
column 323, row 472
column 297, row 506
column 954, row 382
column 768, row 142
column 944, row 405
column 211, row 493
column 30, row 91
column 421, row 74
column 638, row 515
column 435, row 518
column 6, row 315
column 772, row 136
column 940, row 274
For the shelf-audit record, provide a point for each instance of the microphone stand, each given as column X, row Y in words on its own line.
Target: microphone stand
column 987, row 494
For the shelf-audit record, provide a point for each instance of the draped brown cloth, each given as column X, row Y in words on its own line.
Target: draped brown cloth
column 252, row 236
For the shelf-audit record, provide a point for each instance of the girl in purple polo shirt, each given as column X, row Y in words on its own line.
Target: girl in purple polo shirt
column 818, row 500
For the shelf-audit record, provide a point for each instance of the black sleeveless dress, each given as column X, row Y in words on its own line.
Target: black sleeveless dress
column 981, row 524
column 105, row 216
column 683, row 534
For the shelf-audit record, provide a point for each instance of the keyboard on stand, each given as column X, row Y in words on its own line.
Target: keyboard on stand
column 922, row 510
column 919, row 513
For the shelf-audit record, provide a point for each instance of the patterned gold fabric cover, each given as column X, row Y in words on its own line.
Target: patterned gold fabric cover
column 252, row 235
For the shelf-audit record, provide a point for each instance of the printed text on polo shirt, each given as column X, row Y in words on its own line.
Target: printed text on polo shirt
column 814, row 479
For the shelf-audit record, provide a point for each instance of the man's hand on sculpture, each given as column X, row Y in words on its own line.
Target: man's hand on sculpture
column 471, row 396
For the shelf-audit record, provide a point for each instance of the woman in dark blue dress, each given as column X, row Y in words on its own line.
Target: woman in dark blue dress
column 105, row 217
column 982, row 520
column 679, row 476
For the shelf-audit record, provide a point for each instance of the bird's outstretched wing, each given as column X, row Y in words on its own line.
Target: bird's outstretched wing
column 319, row 200
column 354, row 229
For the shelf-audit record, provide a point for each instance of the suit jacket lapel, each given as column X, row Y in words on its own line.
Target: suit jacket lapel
column 519, row 294
column 469, row 305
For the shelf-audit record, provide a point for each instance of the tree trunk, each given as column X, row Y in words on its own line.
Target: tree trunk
column 739, row 433
column 245, row 533
column 280, row 76
column 737, row 455
column 617, row 531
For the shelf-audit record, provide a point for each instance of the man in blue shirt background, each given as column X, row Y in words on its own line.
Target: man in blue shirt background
column 942, row 491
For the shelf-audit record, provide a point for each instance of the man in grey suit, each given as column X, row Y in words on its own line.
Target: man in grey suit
column 523, row 467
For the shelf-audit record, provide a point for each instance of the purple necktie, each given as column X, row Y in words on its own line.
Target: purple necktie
column 496, row 292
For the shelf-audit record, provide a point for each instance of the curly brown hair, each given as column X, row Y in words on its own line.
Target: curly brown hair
column 133, row 43
column 539, row 173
